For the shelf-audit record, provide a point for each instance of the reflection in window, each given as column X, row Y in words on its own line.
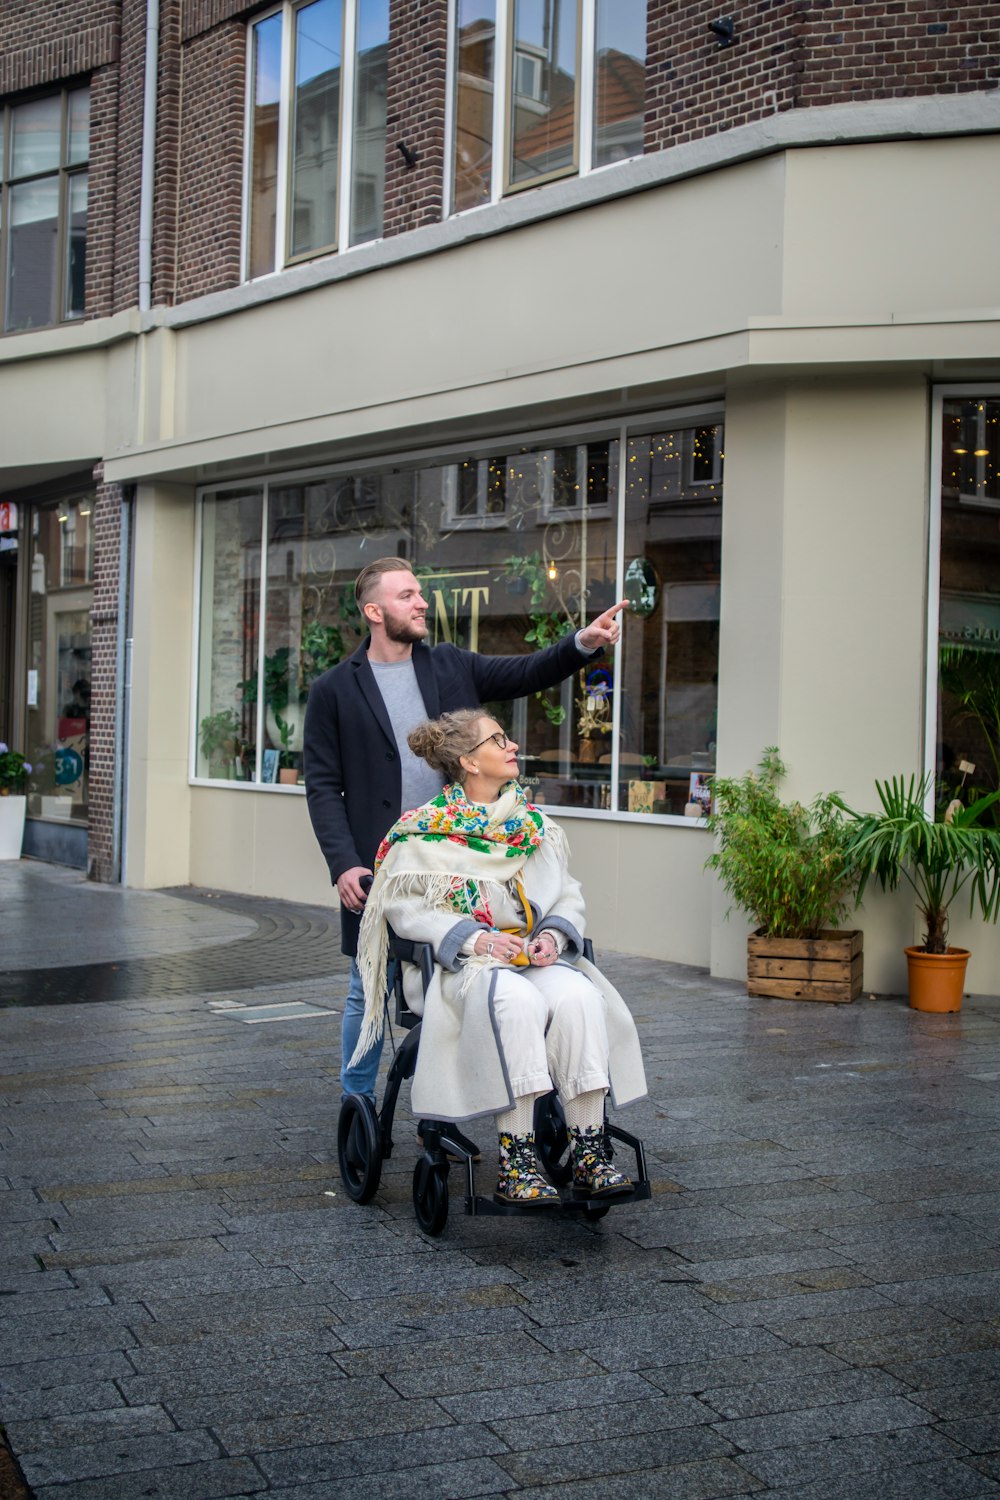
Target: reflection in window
column 76, row 247
column 370, row 85
column 298, row 117
column 57, row 725
column 474, row 82
column 265, row 94
column 673, row 550
column 43, row 209
column 515, row 546
column 968, row 729
column 619, row 80
column 558, row 54
column 543, row 89
column 227, row 718
column 316, row 128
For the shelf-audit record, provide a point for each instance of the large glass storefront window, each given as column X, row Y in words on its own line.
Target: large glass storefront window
column 227, row 731
column 515, row 545
column 968, row 729
column 61, row 559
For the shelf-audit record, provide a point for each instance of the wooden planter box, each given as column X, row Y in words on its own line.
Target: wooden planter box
column 828, row 967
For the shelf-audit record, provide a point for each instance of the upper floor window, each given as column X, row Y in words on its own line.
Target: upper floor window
column 316, row 130
column 542, row 89
column 44, row 151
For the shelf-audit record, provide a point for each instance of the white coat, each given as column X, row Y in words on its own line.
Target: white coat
column 461, row 1072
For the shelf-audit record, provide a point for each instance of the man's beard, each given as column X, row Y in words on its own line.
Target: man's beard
column 403, row 632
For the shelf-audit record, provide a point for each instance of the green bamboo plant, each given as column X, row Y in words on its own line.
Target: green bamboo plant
column 937, row 860
column 782, row 863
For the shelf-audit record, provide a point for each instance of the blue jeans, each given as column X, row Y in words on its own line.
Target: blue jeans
column 361, row 1078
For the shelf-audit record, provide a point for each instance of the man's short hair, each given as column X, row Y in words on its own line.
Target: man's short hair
column 369, row 578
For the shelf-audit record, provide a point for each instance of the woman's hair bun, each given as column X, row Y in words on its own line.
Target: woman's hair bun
column 442, row 742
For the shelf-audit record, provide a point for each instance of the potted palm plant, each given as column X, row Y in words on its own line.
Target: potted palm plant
column 784, row 865
column 938, row 860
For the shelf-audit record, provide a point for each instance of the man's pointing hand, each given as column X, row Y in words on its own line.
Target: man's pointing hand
column 604, row 631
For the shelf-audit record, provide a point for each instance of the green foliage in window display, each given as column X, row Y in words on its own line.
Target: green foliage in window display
column 545, row 626
column 937, row 860
column 972, row 678
column 275, row 680
column 14, row 772
column 286, row 733
column 783, row 864
column 219, row 733
column 321, row 648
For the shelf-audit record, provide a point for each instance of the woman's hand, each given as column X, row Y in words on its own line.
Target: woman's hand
column 542, row 950
column 502, row 945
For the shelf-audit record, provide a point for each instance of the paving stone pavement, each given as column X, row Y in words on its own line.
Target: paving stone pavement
column 808, row 1307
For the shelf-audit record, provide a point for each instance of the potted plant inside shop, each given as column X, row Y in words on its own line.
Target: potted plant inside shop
column 14, row 772
column 938, row 860
column 286, row 689
column 288, row 759
column 785, row 865
column 220, row 742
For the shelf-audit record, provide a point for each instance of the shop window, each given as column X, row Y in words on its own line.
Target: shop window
column 317, row 122
column 61, row 592
column 669, row 676
column 968, row 698
column 227, row 721
column 560, row 84
column 44, row 153
column 515, row 545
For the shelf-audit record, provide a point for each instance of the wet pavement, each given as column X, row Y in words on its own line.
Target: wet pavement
column 808, row 1307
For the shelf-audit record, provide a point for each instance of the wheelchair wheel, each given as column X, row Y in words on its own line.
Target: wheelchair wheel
column 552, row 1140
column 359, row 1148
column 430, row 1195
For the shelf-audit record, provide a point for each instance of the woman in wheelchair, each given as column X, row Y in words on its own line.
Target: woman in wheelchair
column 514, row 1009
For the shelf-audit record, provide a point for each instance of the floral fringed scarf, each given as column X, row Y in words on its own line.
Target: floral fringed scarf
column 454, row 854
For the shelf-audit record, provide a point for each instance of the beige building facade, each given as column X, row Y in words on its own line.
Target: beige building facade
column 797, row 308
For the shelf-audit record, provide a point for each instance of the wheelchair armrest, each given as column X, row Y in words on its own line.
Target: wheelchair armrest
column 411, row 952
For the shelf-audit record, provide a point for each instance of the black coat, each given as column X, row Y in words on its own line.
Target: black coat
column 353, row 779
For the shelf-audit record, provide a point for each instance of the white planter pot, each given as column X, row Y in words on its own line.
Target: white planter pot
column 11, row 826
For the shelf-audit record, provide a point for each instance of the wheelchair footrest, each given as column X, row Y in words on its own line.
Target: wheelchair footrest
column 571, row 1203
column 478, row 1205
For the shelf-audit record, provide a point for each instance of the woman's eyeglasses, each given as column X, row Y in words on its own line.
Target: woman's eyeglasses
column 499, row 739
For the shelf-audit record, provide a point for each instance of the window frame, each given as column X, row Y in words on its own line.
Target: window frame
column 62, row 173
column 970, row 391
column 703, row 413
column 584, row 59
column 283, row 256
column 501, row 185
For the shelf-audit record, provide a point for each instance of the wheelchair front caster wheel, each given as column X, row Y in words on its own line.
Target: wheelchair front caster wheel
column 359, row 1148
column 430, row 1195
column 552, row 1140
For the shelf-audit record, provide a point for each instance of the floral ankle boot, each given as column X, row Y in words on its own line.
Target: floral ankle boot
column 592, row 1171
column 519, row 1180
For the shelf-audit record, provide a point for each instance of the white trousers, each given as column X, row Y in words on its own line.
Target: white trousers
column 552, row 1031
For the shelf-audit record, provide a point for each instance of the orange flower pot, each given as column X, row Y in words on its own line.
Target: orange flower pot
column 937, row 980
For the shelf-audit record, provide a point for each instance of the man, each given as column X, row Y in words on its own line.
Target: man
column 360, row 772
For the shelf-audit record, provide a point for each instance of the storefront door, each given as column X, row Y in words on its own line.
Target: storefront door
column 58, row 678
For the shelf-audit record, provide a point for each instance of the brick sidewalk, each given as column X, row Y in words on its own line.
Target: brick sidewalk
column 193, row 1308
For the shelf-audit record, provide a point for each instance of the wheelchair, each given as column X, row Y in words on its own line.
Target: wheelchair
column 364, row 1133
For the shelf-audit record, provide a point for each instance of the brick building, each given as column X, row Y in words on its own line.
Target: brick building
column 559, row 300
